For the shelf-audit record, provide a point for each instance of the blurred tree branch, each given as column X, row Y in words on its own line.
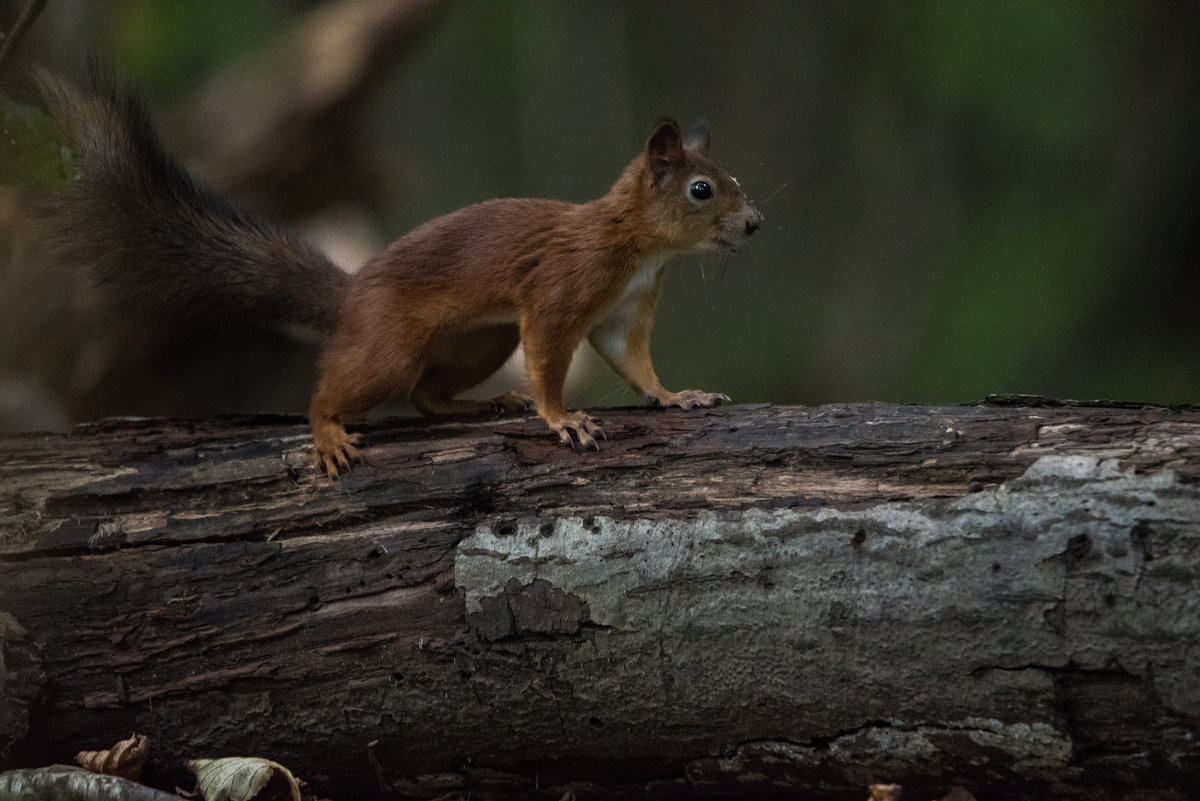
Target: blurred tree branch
column 8, row 44
column 286, row 142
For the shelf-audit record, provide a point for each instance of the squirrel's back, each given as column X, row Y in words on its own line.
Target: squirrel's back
column 158, row 242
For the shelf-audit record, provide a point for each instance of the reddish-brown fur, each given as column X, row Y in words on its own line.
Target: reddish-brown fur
column 443, row 307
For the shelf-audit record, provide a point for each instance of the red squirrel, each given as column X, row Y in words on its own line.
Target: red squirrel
column 434, row 314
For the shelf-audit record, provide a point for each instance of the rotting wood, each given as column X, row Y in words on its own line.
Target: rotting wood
column 752, row 600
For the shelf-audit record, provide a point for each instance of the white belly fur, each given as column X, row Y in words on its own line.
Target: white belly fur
column 611, row 334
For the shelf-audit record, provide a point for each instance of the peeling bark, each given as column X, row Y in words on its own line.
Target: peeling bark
column 748, row 601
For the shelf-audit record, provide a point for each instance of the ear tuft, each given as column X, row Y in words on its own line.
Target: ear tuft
column 699, row 138
column 664, row 148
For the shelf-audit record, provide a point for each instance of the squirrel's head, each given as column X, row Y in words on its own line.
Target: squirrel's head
column 693, row 204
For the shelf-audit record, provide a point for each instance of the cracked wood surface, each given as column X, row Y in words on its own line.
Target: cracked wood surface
column 747, row 601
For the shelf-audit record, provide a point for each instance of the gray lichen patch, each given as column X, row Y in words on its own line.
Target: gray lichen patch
column 812, row 609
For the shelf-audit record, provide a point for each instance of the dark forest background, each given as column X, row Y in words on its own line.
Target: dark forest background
column 961, row 198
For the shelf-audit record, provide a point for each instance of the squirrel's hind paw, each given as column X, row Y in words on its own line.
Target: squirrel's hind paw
column 335, row 451
column 513, row 402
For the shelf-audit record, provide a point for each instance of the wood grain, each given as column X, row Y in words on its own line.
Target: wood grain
column 747, row 601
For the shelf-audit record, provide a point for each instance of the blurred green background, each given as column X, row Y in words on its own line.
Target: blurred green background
column 961, row 198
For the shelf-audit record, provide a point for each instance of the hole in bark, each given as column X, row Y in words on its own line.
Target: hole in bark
column 479, row 499
column 546, row 529
column 859, row 538
column 764, row 578
column 596, row 722
column 1140, row 536
column 995, row 567
column 1079, row 548
column 506, row 528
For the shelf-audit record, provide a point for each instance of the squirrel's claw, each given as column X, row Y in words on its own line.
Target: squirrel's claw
column 338, row 457
column 577, row 427
column 690, row 399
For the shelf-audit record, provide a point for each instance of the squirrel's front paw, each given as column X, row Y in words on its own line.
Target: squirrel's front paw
column 334, row 450
column 690, row 399
column 577, row 427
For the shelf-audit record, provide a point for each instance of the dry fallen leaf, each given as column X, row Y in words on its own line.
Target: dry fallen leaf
column 124, row 759
column 958, row 793
column 885, row 792
column 68, row 781
column 243, row 779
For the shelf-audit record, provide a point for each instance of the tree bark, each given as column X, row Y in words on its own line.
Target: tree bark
column 751, row 601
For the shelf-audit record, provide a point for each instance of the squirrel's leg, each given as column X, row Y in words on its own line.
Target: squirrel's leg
column 547, row 356
column 353, row 380
column 623, row 339
column 464, row 359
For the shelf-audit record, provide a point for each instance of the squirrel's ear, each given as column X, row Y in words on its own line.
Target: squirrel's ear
column 699, row 138
column 664, row 149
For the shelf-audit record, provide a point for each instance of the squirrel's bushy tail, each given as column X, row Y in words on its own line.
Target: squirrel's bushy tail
column 156, row 240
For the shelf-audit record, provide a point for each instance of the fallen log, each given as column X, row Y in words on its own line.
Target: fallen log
column 752, row 601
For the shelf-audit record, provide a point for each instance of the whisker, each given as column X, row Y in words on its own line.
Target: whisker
column 617, row 390
column 772, row 196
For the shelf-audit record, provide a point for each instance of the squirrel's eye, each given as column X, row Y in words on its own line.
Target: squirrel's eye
column 700, row 190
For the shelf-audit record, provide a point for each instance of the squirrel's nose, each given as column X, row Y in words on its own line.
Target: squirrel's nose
column 753, row 223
